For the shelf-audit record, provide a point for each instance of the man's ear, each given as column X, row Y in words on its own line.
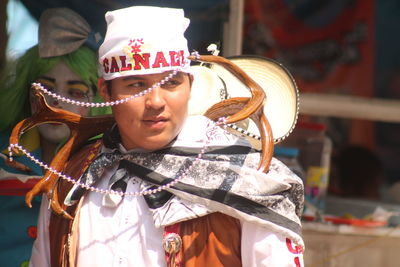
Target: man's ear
column 103, row 89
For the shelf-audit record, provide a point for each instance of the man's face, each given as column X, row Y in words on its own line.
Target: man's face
column 155, row 119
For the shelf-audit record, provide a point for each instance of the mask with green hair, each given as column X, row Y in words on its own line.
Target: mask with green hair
column 14, row 97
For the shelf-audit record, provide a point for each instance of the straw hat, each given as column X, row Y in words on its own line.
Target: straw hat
column 214, row 83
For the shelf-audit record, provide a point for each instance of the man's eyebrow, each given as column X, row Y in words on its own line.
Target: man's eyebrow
column 130, row 78
column 47, row 78
column 180, row 74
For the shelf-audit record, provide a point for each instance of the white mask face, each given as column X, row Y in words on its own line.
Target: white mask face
column 63, row 81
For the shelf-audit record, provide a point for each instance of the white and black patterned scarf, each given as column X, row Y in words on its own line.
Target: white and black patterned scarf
column 224, row 180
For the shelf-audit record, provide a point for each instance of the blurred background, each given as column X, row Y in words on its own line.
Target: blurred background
column 344, row 56
column 335, row 47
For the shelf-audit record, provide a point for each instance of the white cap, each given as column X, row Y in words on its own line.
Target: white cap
column 144, row 40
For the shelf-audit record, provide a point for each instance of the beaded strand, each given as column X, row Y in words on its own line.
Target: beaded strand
column 38, row 86
column 220, row 122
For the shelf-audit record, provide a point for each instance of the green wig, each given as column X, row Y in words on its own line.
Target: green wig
column 14, row 89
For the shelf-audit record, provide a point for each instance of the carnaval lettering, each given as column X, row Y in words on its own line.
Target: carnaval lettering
column 143, row 61
column 176, row 57
column 114, row 65
column 160, row 59
column 124, row 67
column 105, row 65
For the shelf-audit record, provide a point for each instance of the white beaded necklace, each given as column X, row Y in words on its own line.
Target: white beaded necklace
column 38, row 86
column 220, row 122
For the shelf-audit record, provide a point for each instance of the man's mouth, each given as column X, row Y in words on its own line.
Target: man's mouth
column 157, row 122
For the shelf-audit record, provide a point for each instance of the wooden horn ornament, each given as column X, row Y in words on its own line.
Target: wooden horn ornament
column 240, row 108
column 83, row 128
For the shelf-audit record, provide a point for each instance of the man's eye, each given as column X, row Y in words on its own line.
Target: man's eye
column 171, row 83
column 137, row 84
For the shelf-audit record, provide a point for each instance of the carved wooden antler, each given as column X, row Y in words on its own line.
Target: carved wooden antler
column 240, row 108
column 82, row 128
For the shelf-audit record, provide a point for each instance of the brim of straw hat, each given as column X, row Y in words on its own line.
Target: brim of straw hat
column 214, row 84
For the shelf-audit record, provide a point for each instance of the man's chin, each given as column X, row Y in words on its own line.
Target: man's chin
column 149, row 143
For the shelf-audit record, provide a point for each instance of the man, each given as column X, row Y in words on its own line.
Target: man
column 166, row 189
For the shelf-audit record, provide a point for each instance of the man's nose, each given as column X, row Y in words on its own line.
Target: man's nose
column 155, row 99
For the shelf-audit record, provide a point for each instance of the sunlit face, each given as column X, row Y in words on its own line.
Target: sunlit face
column 155, row 119
column 63, row 81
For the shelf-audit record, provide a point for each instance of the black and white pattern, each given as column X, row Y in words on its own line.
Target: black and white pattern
column 225, row 179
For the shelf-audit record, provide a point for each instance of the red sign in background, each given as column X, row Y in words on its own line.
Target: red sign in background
column 328, row 46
